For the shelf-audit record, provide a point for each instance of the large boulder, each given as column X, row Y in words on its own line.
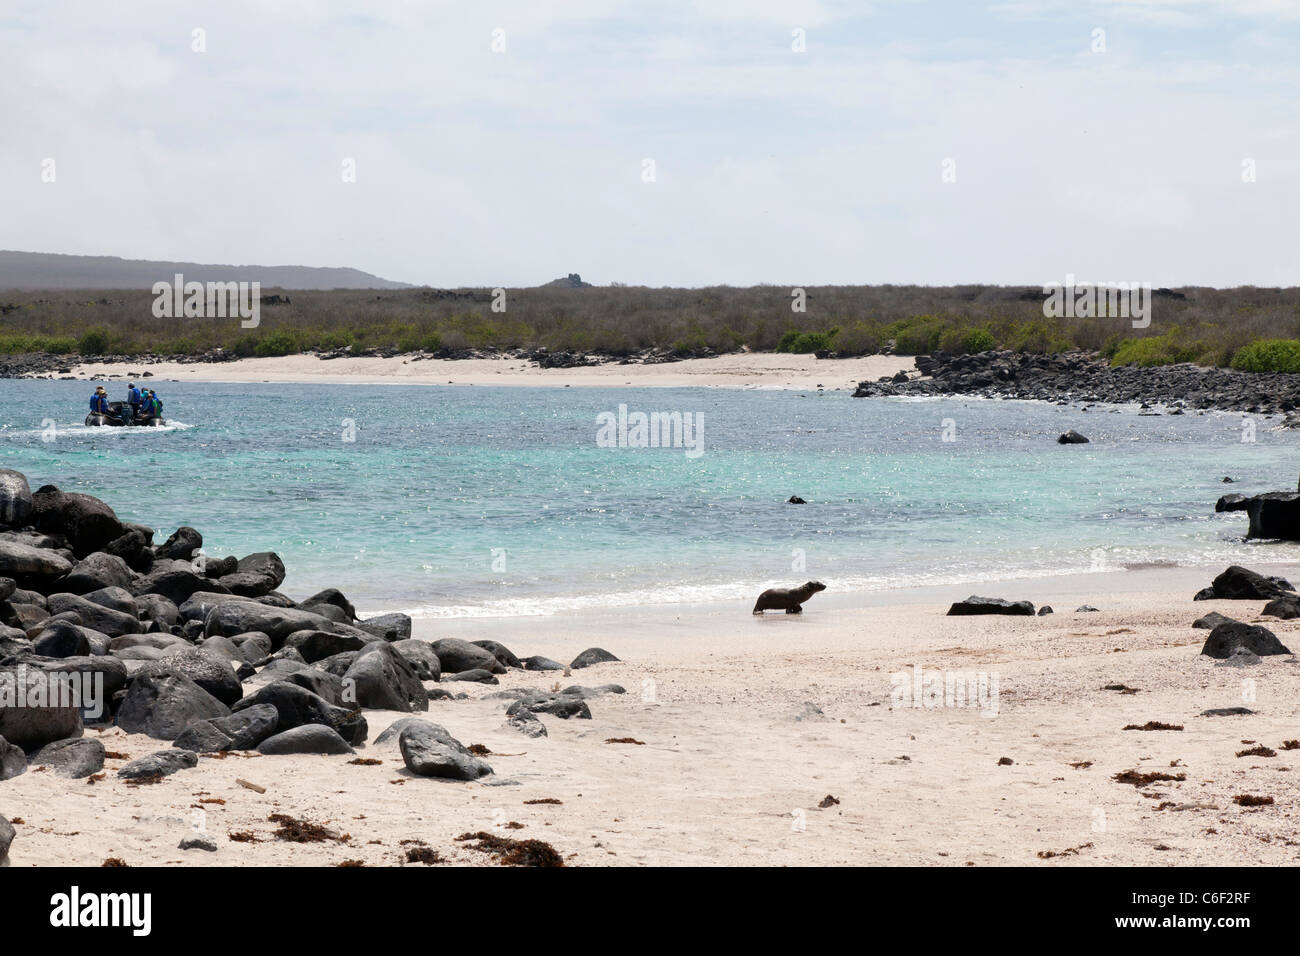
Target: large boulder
column 1275, row 515
column 15, row 498
column 34, row 708
column 92, row 614
column 101, row 676
column 132, row 546
column 241, row 730
column 332, row 597
column 307, row 739
column 456, row 655
column 13, row 762
column 174, row 583
column 381, row 678
column 115, row 599
column 156, row 608
column 7, row 834
column 278, row 623
column 1226, row 639
column 180, row 545
column 85, row 521
column 257, row 574
column 211, row 672
column 199, row 604
column 317, row 645
column 296, row 706
column 502, row 653
column 1284, row 607
column 75, row 758
column 987, row 605
column 25, row 562
column 559, row 705
column 419, row 654
column 22, row 616
column 321, row 683
column 388, row 627
column 164, row 705
column 163, row 763
column 594, row 655
column 1241, row 584
column 429, row 751
column 61, row 639
column 96, row 571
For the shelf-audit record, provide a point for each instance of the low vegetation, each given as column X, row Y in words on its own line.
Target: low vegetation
column 1251, row 329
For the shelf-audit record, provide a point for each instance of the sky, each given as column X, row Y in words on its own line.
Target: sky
column 674, row 143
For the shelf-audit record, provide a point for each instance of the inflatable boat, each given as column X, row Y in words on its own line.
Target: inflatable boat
column 119, row 413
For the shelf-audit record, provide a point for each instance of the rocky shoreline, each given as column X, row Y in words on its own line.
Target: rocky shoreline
column 1085, row 378
column 100, row 627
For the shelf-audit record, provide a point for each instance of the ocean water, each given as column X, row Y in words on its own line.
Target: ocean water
column 458, row 501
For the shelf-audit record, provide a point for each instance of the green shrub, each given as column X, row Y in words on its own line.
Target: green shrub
column 57, row 345
column 801, row 343
column 1268, row 355
column 1171, row 348
column 966, row 341
column 279, row 342
column 858, row 339
column 919, row 335
column 94, row 342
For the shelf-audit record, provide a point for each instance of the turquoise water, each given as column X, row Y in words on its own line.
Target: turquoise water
column 474, row 501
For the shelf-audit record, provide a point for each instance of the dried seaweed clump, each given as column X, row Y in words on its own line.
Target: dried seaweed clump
column 1154, row 725
column 512, row 852
column 303, row 831
column 1251, row 800
column 1139, row 779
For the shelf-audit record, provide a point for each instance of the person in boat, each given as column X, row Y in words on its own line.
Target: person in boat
column 152, row 404
column 99, row 401
column 134, row 398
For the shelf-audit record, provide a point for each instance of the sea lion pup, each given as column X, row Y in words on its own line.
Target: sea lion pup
column 789, row 600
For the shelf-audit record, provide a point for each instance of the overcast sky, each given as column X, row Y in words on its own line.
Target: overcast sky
column 484, row 168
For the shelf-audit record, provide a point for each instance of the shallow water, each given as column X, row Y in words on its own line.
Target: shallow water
column 475, row 501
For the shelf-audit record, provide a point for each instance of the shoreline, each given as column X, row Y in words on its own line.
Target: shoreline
column 740, row 370
column 1036, row 586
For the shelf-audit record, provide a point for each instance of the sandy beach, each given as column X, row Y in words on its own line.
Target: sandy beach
column 743, row 370
column 750, row 723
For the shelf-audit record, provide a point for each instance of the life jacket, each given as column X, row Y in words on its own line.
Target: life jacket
column 133, row 397
column 99, row 403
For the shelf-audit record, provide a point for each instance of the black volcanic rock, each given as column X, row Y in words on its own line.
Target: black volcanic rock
column 1241, row 584
column 987, row 605
column 1226, row 639
column 1077, row 376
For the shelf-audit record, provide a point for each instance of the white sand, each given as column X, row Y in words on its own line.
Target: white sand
column 746, row 370
column 727, row 772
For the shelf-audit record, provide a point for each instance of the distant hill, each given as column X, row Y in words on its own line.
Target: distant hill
column 31, row 271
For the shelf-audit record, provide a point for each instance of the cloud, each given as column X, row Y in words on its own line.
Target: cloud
column 483, row 168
